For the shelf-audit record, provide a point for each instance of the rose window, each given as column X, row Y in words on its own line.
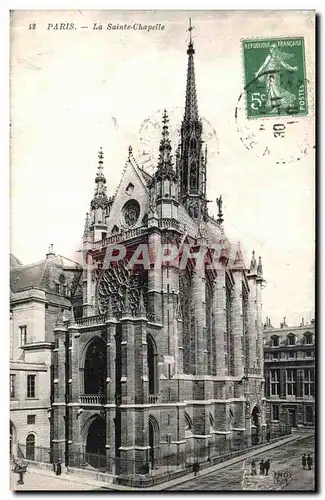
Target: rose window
column 114, row 283
column 131, row 212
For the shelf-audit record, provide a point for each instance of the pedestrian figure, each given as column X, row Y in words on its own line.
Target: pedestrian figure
column 196, row 468
column 20, row 470
column 267, row 467
column 58, row 468
column 268, row 436
column 304, row 461
column 262, row 467
column 21, row 475
column 253, row 468
column 309, row 461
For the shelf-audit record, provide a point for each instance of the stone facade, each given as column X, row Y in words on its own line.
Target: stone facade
column 289, row 368
column 163, row 361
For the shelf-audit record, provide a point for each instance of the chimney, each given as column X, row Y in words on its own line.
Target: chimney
column 284, row 324
column 50, row 254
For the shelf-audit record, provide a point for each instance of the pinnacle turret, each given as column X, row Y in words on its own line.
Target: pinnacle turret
column 59, row 319
column 165, row 165
column 239, row 261
column 260, row 268
column 253, row 264
column 100, row 198
column 142, row 308
column 126, row 309
column 72, row 319
column 87, row 225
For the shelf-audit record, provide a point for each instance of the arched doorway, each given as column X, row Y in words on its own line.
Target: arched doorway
column 152, row 358
column 153, row 441
column 30, row 447
column 95, row 367
column 255, row 425
column 96, row 441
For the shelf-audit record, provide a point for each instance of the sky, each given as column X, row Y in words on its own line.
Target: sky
column 74, row 91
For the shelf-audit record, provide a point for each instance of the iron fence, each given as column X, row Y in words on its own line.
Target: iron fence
column 36, row 453
column 155, row 460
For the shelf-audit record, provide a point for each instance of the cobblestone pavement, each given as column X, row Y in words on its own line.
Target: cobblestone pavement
column 286, row 458
column 35, row 481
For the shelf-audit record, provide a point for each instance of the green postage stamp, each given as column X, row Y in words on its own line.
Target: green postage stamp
column 275, row 77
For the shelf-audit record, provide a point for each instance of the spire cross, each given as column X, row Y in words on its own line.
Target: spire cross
column 190, row 29
column 165, row 117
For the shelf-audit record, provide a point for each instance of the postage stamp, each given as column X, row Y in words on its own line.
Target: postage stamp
column 275, row 77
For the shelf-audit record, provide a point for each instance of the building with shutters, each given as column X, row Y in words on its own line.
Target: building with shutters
column 289, row 370
column 159, row 361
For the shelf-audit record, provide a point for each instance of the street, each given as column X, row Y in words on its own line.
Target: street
column 286, row 458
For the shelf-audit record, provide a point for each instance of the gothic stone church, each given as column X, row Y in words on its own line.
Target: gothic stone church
column 160, row 361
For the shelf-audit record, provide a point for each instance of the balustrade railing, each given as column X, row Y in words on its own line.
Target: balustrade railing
column 99, row 319
column 123, row 235
column 167, row 223
column 152, row 399
column 92, row 399
column 252, row 371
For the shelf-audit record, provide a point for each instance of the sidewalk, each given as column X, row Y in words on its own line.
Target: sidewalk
column 40, row 479
column 175, row 482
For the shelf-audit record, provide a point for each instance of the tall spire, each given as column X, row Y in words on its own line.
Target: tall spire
column 191, row 108
column 100, row 198
column 165, row 165
column 260, row 268
column 193, row 161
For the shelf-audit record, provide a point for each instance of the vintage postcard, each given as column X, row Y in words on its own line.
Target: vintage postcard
column 162, row 266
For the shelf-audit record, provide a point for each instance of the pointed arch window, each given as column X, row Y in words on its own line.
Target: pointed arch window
column 188, row 318
column 95, row 367
column 209, row 319
column 228, row 338
column 194, row 181
column 152, row 358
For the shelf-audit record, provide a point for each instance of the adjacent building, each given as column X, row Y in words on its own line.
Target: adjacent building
column 289, row 370
column 37, row 292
